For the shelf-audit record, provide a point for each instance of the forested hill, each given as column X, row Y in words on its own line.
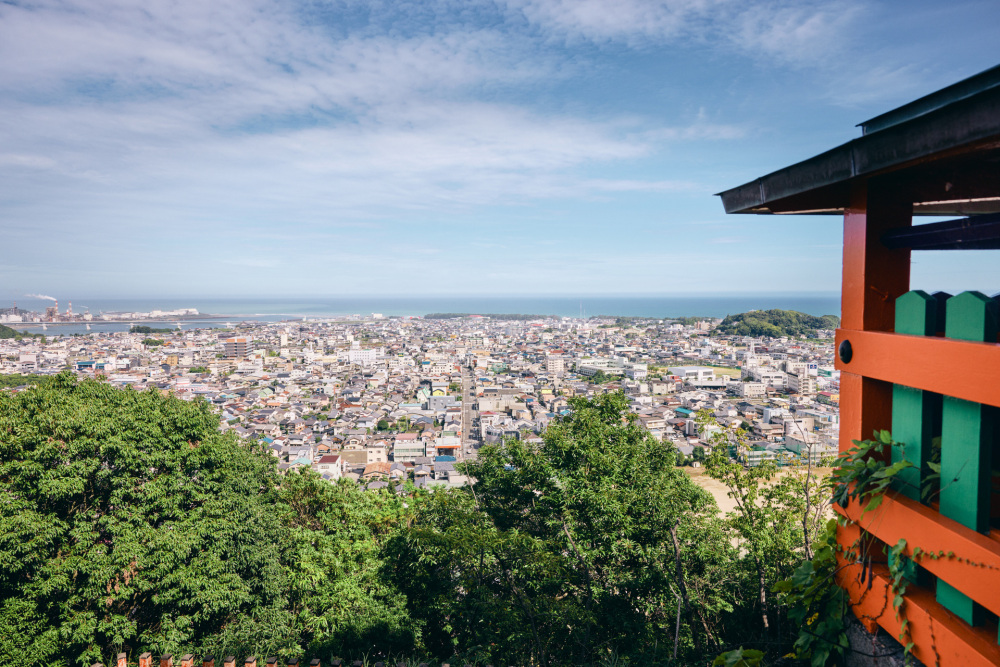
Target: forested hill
column 775, row 323
column 7, row 332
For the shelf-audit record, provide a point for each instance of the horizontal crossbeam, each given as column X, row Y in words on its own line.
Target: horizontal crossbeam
column 946, row 366
column 981, row 232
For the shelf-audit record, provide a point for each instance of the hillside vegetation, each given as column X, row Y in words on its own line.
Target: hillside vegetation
column 775, row 323
column 7, row 332
column 129, row 523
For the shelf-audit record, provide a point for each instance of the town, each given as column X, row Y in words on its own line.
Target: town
column 388, row 400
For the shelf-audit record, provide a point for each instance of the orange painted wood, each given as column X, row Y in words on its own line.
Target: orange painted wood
column 865, row 405
column 900, row 517
column 939, row 637
column 874, row 276
column 963, row 369
column 847, row 536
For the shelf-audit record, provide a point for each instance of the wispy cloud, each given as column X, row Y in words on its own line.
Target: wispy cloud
column 245, row 104
column 231, row 134
column 791, row 31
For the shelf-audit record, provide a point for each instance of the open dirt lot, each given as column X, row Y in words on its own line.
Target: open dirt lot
column 719, row 490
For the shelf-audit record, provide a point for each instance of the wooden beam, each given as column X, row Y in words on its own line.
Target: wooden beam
column 975, row 567
column 951, row 367
column 981, row 232
column 939, row 637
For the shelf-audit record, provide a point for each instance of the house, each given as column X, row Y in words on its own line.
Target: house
column 376, row 470
column 408, row 447
column 329, row 465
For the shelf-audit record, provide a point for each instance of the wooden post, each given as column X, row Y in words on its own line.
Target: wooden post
column 874, row 276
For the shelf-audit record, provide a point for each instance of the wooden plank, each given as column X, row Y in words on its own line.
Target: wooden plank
column 939, row 637
column 974, row 569
column 962, row 369
column 914, row 411
column 967, row 432
column 981, row 232
column 968, row 427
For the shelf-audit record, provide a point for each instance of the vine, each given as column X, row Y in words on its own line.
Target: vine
column 814, row 599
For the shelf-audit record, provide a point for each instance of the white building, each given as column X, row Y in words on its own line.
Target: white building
column 802, row 382
column 694, row 374
column 366, row 358
column 554, row 365
column 770, row 376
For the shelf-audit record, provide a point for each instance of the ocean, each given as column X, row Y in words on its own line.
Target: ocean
column 276, row 309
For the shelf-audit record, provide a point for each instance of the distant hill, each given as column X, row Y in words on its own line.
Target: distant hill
column 775, row 324
column 7, row 332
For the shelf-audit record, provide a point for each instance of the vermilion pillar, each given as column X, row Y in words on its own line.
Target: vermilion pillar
column 873, row 277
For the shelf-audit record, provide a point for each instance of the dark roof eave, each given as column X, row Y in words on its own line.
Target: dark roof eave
column 821, row 183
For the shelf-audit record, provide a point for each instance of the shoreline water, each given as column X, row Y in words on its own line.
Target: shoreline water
column 272, row 309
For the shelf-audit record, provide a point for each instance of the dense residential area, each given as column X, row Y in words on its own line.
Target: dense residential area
column 381, row 400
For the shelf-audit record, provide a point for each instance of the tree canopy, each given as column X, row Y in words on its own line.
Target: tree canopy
column 568, row 552
column 7, row 332
column 775, row 323
column 129, row 523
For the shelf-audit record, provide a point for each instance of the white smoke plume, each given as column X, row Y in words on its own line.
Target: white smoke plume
column 41, row 296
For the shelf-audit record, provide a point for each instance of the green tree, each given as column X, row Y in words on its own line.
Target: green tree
column 110, row 498
column 778, row 515
column 130, row 523
column 562, row 552
column 332, row 555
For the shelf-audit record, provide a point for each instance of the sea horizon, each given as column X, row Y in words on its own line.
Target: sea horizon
column 277, row 308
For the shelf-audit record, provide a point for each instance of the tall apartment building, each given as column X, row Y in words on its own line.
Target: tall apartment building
column 236, row 348
column 555, row 365
column 801, row 382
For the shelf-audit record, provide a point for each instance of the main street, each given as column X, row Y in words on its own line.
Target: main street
column 468, row 415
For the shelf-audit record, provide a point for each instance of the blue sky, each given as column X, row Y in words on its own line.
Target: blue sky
column 271, row 148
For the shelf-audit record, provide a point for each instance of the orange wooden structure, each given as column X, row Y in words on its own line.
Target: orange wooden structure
column 917, row 372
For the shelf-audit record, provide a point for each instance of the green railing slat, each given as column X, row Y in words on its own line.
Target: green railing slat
column 967, row 435
column 914, row 410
